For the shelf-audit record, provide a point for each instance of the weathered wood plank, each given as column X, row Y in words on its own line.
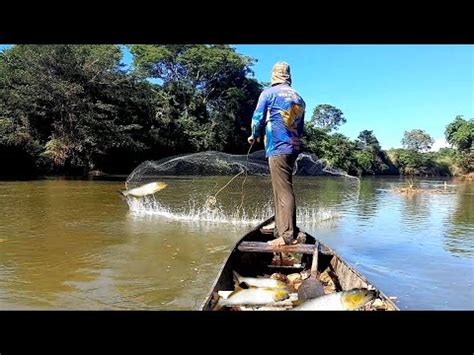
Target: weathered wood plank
column 262, row 247
column 314, row 264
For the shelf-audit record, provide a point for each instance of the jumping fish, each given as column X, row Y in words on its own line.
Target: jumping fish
column 144, row 190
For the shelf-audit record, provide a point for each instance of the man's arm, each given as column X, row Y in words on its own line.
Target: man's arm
column 259, row 115
column 301, row 125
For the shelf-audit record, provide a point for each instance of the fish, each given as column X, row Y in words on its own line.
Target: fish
column 144, row 190
column 339, row 301
column 254, row 296
column 259, row 282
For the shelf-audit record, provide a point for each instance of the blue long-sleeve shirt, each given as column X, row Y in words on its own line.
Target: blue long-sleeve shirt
column 280, row 110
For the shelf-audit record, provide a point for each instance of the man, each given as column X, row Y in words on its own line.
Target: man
column 280, row 111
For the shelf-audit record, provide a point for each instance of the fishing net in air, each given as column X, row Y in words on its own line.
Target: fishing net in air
column 233, row 194
column 214, row 163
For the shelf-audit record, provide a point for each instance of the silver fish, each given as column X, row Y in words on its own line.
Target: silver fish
column 340, row 301
column 144, row 190
column 259, row 282
column 254, row 296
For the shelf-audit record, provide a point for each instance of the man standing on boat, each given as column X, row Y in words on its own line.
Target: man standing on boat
column 280, row 112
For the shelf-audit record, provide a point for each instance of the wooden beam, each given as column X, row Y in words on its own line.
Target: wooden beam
column 314, row 264
column 262, row 247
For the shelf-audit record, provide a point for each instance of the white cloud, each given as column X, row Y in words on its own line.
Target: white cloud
column 438, row 144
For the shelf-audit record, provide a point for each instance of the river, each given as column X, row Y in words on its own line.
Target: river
column 73, row 244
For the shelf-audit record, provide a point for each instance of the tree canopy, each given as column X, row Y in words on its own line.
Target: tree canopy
column 460, row 134
column 327, row 117
column 206, row 95
column 417, row 140
column 69, row 109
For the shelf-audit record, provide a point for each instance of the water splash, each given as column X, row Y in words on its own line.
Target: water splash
column 196, row 212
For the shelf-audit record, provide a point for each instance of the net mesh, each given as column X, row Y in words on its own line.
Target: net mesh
column 213, row 163
column 228, row 196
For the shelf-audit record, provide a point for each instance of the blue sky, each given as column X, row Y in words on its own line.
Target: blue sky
column 384, row 88
column 387, row 89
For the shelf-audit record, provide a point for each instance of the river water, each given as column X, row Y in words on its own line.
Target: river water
column 68, row 244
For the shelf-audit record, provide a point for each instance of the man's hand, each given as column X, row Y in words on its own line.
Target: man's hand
column 251, row 140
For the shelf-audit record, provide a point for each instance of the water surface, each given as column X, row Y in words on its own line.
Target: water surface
column 79, row 245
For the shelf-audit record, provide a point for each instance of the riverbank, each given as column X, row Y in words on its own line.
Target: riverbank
column 105, row 177
column 123, row 177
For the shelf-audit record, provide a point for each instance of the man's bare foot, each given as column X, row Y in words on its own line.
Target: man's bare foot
column 280, row 241
column 277, row 242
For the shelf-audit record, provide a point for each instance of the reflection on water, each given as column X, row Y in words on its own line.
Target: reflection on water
column 367, row 199
column 77, row 245
column 459, row 236
column 415, row 212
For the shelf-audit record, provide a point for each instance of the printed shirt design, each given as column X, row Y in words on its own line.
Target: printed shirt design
column 280, row 110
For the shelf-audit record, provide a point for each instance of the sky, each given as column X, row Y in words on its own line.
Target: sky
column 384, row 88
column 387, row 89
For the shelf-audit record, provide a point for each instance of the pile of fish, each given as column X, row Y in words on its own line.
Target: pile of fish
column 287, row 259
column 297, row 291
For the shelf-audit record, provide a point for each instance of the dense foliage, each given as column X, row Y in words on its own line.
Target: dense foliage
column 71, row 109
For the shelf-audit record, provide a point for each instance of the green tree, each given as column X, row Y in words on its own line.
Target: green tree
column 371, row 159
column 18, row 150
column 340, row 151
column 207, row 96
column 460, row 134
column 367, row 140
column 75, row 101
column 365, row 162
column 327, row 117
column 417, row 140
column 411, row 162
column 315, row 139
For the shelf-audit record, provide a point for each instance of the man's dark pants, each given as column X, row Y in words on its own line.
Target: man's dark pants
column 281, row 171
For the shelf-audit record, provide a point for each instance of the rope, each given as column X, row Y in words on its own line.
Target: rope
column 245, row 178
column 211, row 200
column 228, row 183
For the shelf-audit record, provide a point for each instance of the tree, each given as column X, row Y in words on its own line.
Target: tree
column 315, row 139
column 460, row 134
column 75, row 102
column 365, row 162
column 207, row 95
column 18, row 150
column 339, row 151
column 327, row 117
column 408, row 161
column 367, row 140
column 417, row 140
column 371, row 159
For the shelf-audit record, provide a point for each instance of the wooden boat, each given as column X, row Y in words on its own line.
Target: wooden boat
column 252, row 256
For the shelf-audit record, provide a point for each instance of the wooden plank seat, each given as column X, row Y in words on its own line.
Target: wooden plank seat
column 263, row 247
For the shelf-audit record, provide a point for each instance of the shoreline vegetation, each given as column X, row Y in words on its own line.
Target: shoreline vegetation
column 123, row 177
column 74, row 110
